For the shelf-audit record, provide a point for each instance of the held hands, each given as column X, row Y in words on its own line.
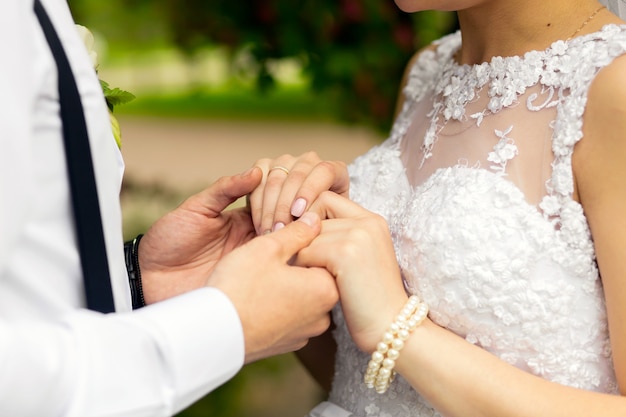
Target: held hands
column 179, row 252
column 289, row 186
column 355, row 247
column 280, row 306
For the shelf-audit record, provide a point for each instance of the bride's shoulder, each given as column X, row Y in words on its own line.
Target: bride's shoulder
column 601, row 154
column 609, row 84
column 607, row 93
column 424, row 64
column 436, row 53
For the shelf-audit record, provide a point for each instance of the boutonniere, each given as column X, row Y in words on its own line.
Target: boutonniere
column 112, row 96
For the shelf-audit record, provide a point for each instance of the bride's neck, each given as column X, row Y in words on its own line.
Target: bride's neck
column 513, row 27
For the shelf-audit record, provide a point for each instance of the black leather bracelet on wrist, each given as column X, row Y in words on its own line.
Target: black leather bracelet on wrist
column 131, row 256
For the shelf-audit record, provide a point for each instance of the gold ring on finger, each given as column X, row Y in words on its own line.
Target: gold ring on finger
column 280, row 167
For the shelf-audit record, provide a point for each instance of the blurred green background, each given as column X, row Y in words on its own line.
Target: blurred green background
column 341, row 59
column 311, row 62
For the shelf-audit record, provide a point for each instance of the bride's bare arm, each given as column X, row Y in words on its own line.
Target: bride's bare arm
column 599, row 165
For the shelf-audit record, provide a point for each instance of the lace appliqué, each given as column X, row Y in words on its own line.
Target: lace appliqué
column 503, row 152
column 459, row 85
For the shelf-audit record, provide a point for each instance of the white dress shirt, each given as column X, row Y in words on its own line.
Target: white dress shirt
column 56, row 357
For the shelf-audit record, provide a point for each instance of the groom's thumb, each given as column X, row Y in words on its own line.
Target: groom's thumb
column 227, row 190
column 297, row 235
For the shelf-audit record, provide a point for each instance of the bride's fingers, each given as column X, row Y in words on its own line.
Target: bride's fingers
column 289, row 186
column 307, row 179
column 323, row 176
column 323, row 252
column 277, row 207
column 279, row 172
column 263, row 199
column 330, row 205
column 347, row 240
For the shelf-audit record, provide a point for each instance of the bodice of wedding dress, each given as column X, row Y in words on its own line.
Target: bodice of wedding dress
column 476, row 184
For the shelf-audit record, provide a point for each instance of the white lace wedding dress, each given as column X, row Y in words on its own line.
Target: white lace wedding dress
column 476, row 185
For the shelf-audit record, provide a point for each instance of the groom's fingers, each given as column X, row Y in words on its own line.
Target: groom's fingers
column 225, row 191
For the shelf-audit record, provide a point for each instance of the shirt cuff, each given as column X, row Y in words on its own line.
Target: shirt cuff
column 204, row 337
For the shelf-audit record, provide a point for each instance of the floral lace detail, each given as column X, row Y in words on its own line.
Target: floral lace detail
column 557, row 70
column 496, row 270
column 503, row 152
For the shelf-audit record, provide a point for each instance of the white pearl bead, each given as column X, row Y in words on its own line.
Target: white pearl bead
column 403, row 334
column 397, row 344
column 389, row 363
column 387, row 337
column 382, row 347
column 393, row 354
column 378, row 357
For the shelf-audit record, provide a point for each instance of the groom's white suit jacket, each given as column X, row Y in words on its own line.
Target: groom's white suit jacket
column 56, row 358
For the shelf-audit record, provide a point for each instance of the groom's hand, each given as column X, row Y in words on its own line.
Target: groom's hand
column 179, row 252
column 280, row 306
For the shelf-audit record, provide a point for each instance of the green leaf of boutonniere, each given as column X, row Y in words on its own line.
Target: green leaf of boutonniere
column 112, row 96
column 115, row 96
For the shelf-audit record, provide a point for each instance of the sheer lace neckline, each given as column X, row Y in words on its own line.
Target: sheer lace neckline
column 540, row 88
column 508, row 77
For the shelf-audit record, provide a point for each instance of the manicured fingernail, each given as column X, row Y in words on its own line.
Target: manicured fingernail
column 308, row 218
column 297, row 209
column 278, row 226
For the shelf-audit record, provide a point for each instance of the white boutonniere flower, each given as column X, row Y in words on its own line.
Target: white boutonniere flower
column 113, row 96
column 89, row 41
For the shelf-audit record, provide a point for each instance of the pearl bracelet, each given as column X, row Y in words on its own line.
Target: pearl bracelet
column 380, row 373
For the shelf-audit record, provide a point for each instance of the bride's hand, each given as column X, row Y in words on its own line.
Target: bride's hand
column 289, row 186
column 355, row 246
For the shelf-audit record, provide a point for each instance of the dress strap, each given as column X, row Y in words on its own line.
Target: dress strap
column 596, row 51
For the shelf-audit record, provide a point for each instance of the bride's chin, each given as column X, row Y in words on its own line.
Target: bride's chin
column 411, row 6
column 408, row 6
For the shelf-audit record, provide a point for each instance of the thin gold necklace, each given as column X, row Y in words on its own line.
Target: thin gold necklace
column 457, row 54
column 585, row 23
